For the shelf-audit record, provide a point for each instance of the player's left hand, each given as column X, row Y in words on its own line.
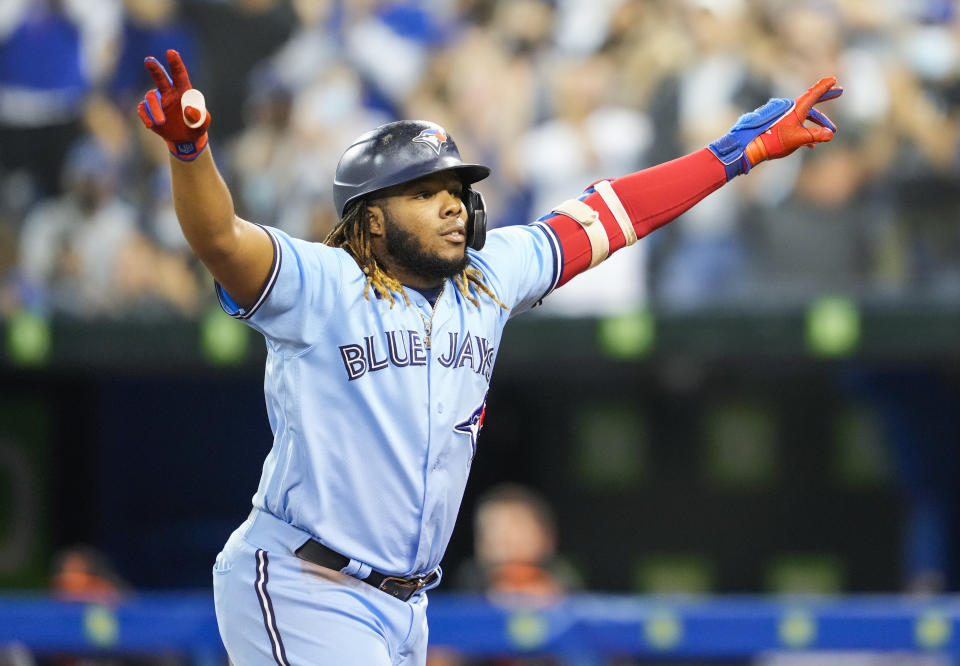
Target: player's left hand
column 777, row 129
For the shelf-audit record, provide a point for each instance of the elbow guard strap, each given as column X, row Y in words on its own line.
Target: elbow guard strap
column 589, row 219
column 605, row 190
column 590, row 228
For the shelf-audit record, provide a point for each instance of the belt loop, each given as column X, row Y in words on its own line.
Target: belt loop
column 357, row 569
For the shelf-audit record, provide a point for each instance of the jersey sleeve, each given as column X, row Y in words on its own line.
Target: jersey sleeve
column 298, row 295
column 522, row 264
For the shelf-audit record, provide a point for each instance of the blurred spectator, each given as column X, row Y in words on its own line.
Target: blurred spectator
column 262, row 156
column 149, row 28
column 52, row 53
column 812, row 224
column 515, row 549
column 84, row 252
column 235, row 37
column 515, row 561
column 704, row 254
column 69, row 245
column 311, row 47
column 403, row 33
column 283, row 160
column 585, row 139
column 816, row 240
column 83, row 573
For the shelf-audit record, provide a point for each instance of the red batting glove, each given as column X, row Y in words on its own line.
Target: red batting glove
column 789, row 133
column 776, row 129
column 161, row 109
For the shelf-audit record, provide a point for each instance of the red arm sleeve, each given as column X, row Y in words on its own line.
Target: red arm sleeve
column 651, row 198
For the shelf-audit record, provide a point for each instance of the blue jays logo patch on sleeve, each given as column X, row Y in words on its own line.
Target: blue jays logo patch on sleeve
column 472, row 425
column 432, row 137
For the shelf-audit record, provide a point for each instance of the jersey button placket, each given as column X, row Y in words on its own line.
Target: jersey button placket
column 423, row 545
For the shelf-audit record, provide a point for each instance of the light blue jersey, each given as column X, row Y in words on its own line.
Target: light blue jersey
column 374, row 433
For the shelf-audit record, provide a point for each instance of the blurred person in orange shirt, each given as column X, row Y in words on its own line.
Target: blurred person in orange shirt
column 515, row 548
column 83, row 573
column 515, row 563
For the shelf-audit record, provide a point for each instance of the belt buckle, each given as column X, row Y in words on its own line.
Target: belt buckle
column 403, row 588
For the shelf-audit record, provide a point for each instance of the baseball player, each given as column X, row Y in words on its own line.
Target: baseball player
column 381, row 342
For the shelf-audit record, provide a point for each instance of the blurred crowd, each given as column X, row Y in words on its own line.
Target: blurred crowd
column 552, row 94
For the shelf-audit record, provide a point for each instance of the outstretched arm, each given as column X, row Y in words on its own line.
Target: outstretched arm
column 614, row 213
column 237, row 253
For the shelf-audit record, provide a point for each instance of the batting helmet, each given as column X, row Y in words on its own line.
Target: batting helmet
column 402, row 151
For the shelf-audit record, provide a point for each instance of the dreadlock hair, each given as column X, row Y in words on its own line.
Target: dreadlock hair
column 352, row 234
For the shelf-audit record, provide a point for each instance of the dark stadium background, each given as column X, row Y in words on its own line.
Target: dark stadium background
column 153, row 457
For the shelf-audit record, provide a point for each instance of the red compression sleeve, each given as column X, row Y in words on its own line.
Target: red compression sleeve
column 651, row 197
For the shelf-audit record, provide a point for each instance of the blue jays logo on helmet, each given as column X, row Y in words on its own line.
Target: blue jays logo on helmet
column 433, row 137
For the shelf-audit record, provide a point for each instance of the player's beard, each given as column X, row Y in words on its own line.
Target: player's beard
column 407, row 250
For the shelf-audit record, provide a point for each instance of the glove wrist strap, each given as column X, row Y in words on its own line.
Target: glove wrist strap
column 728, row 150
column 188, row 150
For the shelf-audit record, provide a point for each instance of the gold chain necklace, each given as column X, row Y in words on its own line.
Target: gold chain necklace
column 428, row 323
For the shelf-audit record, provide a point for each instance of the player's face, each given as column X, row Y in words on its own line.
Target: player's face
column 419, row 230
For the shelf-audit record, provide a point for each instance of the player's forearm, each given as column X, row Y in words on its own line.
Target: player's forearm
column 238, row 254
column 657, row 195
column 203, row 205
column 631, row 207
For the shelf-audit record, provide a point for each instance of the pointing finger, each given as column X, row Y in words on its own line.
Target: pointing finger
column 806, row 101
column 179, row 71
column 820, row 118
column 158, row 73
column 834, row 92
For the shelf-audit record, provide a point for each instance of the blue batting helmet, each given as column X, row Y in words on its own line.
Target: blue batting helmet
column 402, row 151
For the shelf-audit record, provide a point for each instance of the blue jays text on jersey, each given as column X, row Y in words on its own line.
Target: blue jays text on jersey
column 374, row 433
column 403, row 349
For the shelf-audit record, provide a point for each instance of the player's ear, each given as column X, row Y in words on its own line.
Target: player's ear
column 375, row 222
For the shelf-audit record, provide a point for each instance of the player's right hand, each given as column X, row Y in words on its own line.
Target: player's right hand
column 162, row 112
column 777, row 129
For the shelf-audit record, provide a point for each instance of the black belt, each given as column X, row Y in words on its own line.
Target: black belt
column 401, row 588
